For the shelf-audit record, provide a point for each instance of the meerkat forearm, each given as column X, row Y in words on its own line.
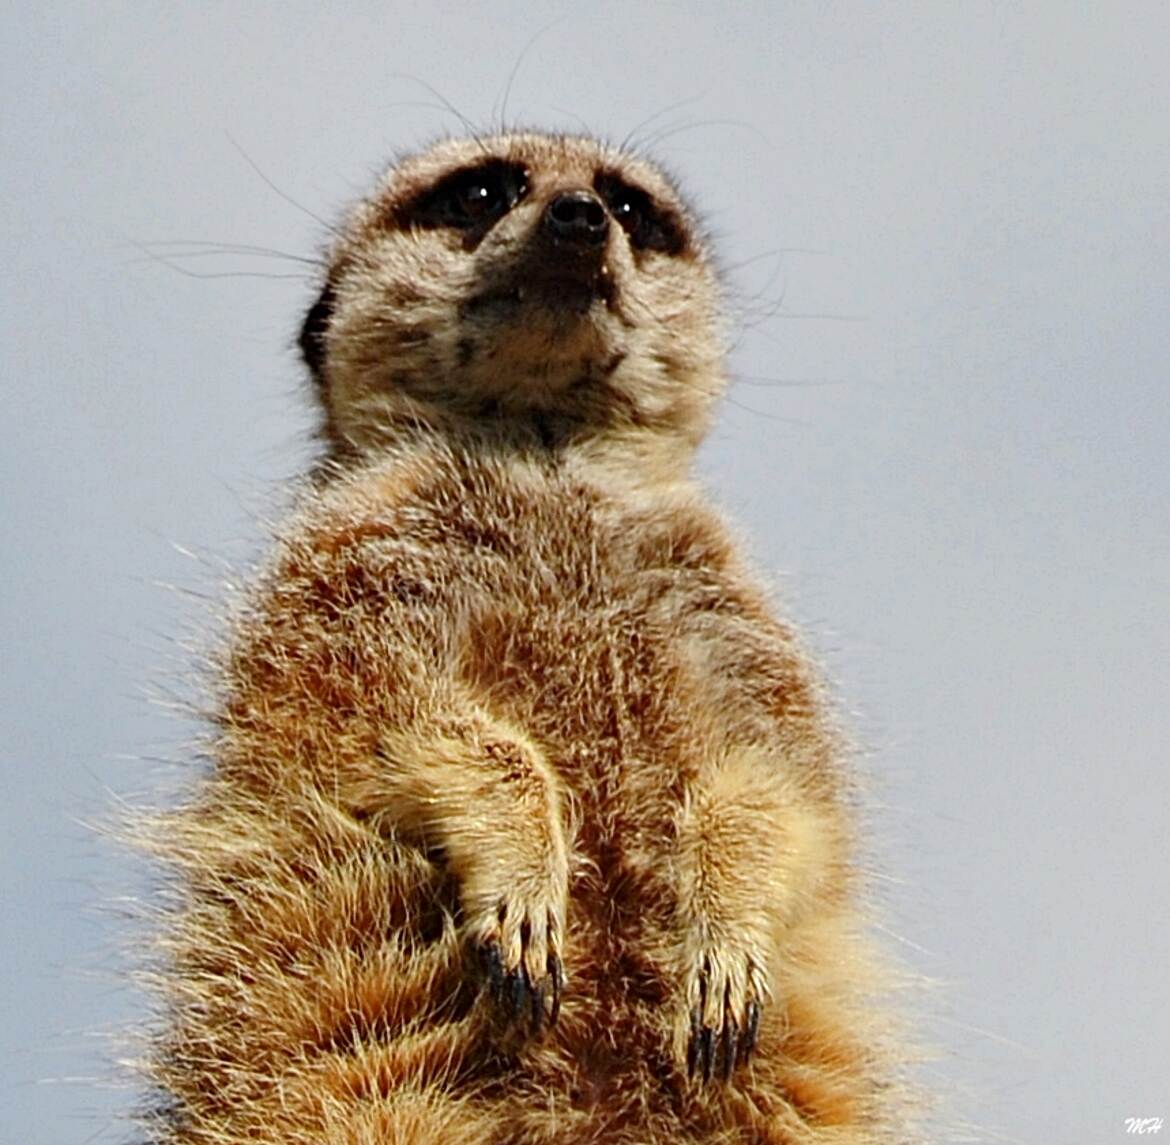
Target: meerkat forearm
column 482, row 795
column 425, row 761
column 753, row 852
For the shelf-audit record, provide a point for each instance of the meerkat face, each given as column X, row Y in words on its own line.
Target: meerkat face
column 538, row 284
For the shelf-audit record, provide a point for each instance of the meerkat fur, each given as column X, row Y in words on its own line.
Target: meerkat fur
column 527, row 820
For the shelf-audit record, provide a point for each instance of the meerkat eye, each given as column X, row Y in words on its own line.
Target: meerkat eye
column 478, row 198
column 474, row 197
column 649, row 227
column 626, row 211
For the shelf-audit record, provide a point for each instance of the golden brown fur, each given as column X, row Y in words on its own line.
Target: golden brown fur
column 526, row 818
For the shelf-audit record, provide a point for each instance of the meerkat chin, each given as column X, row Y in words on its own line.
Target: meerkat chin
column 527, row 820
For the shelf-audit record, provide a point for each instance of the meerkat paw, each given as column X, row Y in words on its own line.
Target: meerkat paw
column 725, row 991
column 517, row 935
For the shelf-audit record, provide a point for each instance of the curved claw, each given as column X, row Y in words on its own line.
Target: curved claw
column 493, row 963
column 707, row 1051
column 751, row 1029
column 716, row 1047
column 556, row 975
column 518, row 987
column 730, row 1047
column 518, row 997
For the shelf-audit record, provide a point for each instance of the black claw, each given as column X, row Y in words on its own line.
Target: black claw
column 517, row 994
column 752, row 1031
column 707, row 1044
column 516, row 991
column 730, row 1040
column 557, row 974
column 693, row 1044
column 494, row 966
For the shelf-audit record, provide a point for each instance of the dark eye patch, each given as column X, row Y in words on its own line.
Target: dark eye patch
column 470, row 199
column 649, row 225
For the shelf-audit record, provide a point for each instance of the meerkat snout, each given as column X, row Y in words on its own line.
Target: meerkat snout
column 563, row 267
column 578, row 219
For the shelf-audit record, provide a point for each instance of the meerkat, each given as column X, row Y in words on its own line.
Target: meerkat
column 527, row 821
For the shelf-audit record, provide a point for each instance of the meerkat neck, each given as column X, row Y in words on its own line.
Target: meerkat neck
column 634, row 455
column 638, row 457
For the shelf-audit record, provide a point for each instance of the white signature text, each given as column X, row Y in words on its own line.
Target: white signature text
column 1143, row 1124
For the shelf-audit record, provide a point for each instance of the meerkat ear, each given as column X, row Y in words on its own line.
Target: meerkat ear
column 313, row 331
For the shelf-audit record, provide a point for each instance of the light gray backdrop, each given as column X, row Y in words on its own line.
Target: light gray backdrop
column 948, row 445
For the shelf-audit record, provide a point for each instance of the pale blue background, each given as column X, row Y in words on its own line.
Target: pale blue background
column 972, row 520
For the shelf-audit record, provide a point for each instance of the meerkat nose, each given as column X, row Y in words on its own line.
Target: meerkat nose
column 577, row 217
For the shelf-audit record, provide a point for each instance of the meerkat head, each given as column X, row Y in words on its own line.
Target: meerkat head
column 546, row 289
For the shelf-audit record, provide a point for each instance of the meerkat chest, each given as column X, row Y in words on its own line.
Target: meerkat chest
column 567, row 607
column 580, row 631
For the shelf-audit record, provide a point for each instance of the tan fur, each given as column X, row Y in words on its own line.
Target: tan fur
column 506, row 691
